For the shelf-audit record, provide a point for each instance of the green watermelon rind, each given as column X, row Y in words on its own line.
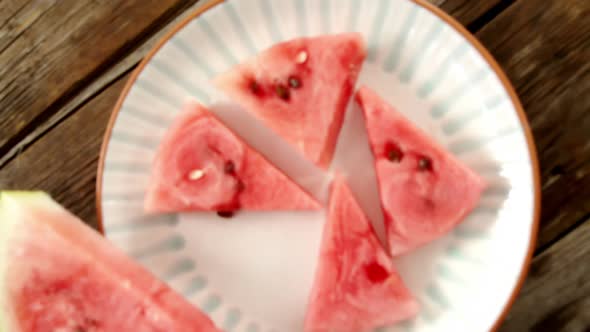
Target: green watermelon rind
column 20, row 210
column 12, row 205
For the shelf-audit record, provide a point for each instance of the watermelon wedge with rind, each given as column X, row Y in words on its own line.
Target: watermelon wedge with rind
column 425, row 191
column 201, row 165
column 300, row 88
column 57, row 274
column 356, row 287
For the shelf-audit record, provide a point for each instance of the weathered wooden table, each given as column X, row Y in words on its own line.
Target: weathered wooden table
column 63, row 64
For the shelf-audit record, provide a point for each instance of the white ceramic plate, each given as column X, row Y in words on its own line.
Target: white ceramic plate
column 253, row 272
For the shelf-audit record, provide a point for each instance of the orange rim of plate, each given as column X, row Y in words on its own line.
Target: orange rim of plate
column 447, row 19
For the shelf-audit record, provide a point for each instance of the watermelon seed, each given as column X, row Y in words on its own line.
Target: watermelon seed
column 282, row 92
column 294, row 82
column 229, row 167
column 301, row 57
column 394, row 155
column 225, row 214
column 196, row 174
column 424, row 164
column 254, row 87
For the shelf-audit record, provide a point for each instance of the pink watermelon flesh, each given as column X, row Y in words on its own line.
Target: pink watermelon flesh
column 425, row 191
column 356, row 286
column 202, row 166
column 60, row 275
column 300, row 88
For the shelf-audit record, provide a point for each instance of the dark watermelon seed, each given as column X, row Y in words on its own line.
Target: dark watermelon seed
column 225, row 214
column 282, row 91
column 424, row 164
column 229, row 167
column 393, row 153
column 294, row 82
column 394, row 156
column 254, row 87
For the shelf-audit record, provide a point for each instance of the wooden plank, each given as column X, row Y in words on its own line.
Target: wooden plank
column 556, row 296
column 64, row 162
column 8, row 9
column 58, row 49
column 22, row 19
column 127, row 63
column 469, row 12
column 544, row 46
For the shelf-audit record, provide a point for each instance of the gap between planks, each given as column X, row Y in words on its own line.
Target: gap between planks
column 543, row 46
column 556, row 294
column 489, row 15
column 121, row 61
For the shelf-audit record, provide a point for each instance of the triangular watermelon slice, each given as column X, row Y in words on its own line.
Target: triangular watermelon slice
column 356, row 287
column 57, row 274
column 300, row 88
column 425, row 191
column 201, row 165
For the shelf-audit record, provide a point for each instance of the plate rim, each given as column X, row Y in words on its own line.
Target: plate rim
column 446, row 18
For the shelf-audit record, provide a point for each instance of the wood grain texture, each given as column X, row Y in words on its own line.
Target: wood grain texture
column 53, row 47
column 556, row 296
column 125, row 64
column 21, row 20
column 544, row 46
column 8, row 9
column 468, row 11
column 64, row 162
